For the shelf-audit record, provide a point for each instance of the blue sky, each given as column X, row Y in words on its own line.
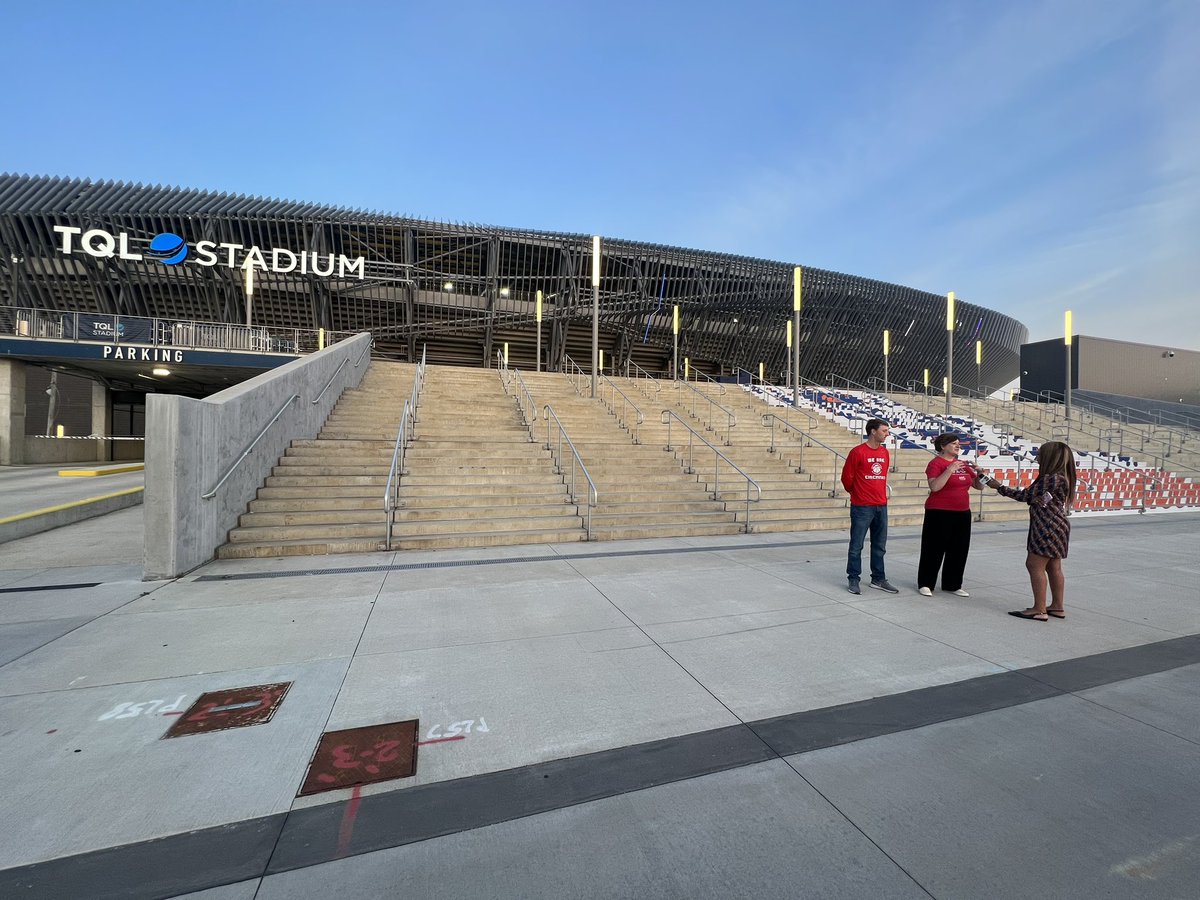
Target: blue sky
column 1031, row 156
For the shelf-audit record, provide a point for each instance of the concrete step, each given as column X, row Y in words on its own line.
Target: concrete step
column 315, row 547
column 605, row 519
column 637, row 532
column 399, row 528
column 303, row 502
column 488, row 539
column 406, row 514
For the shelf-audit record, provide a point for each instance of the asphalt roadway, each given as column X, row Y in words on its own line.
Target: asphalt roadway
column 683, row 718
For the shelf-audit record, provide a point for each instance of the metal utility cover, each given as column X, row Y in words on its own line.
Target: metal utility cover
column 232, row 708
column 362, row 756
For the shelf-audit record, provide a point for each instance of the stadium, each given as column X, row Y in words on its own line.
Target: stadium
column 460, row 292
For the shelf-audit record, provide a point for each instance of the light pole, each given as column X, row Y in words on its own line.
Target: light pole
column 675, row 337
column 787, row 379
column 595, row 315
column 797, row 293
column 949, row 347
column 538, row 316
column 1067, row 391
column 887, row 346
column 248, row 270
column 979, row 367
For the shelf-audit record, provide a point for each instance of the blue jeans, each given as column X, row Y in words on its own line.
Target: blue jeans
column 862, row 519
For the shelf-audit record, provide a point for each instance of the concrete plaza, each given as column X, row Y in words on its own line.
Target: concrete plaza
column 680, row 718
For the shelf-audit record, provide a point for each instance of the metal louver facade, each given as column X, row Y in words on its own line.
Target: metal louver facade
column 463, row 290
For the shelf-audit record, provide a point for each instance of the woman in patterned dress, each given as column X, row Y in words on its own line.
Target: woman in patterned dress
column 1049, row 498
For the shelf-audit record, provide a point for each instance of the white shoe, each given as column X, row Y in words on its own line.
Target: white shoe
column 925, row 592
column 960, row 593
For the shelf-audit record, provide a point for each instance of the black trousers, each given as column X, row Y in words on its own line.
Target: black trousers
column 945, row 543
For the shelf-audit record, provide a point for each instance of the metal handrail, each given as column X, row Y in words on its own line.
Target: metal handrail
column 216, row 487
column 332, row 377
column 626, row 405
column 698, row 375
column 1099, row 433
column 593, row 496
column 501, row 363
column 404, row 436
column 391, row 492
column 812, row 420
column 667, row 415
column 788, row 426
column 367, row 349
column 730, row 418
column 580, row 379
column 528, row 414
column 753, row 377
column 639, row 373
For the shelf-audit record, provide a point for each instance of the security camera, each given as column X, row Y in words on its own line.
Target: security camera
column 1170, row 353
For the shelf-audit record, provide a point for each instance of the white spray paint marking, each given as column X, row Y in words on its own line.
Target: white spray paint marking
column 1152, row 865
column 454, row 729
column 146, row 708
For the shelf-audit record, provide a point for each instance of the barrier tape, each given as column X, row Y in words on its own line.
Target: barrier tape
column 86, row 437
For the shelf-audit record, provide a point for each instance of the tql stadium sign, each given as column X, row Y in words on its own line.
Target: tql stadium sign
column 171, row 250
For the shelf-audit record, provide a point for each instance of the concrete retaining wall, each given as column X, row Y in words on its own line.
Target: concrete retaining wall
column 191, row 444
column 53, row 450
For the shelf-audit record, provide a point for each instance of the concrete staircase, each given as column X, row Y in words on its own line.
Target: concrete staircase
column 326, row 494
column 643, row 491
column 474, row 478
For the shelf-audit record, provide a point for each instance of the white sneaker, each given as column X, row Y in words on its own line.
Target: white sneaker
column 925, row 592
column 960, row 593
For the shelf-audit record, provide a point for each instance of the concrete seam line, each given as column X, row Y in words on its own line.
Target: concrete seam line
column 20, row 517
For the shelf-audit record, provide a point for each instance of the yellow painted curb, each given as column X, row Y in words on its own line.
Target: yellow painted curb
column 92, row 473
column 54, row 509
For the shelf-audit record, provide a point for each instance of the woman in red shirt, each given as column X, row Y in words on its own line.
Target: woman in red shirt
column 946, row 533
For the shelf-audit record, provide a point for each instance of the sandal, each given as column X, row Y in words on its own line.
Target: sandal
column 1021, row 614
column 1057, row 613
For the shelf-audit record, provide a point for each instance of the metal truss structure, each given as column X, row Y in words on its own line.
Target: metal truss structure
column 463, row 290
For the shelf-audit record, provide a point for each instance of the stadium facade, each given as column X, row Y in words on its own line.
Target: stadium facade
column 463, row 291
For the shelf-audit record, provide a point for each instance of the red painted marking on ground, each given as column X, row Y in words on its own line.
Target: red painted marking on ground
column 347, row 830
column 180, row 713
column 460, row 737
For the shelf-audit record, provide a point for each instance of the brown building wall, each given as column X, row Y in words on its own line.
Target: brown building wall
column 1138, row 370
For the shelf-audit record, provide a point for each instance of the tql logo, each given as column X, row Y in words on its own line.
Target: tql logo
column 168, row 248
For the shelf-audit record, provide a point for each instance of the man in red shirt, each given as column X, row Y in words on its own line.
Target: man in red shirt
column 864, row 476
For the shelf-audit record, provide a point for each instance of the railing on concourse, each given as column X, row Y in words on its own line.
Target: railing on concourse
column 404, row 436
column 631, row 424
column 167, row 334
column 718, row 456
column 555, row 447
